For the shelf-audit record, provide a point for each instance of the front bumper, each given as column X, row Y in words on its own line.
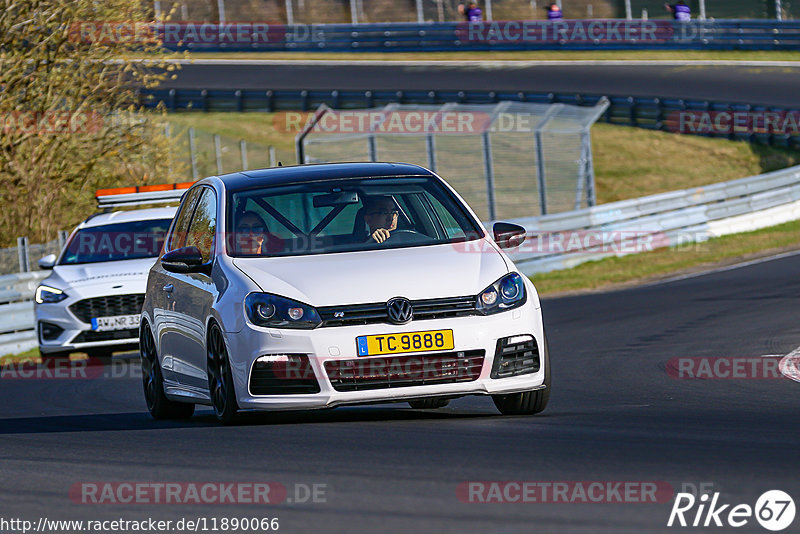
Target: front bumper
column 336, row 344
column 76, row 335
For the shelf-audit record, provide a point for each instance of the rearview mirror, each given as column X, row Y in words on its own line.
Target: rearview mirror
column 508, row 235
column 47, row 262
column 185, row 260
column 330, row 200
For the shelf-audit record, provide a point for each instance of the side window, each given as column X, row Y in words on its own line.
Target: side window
column 204, row 224
column 451, row 226
column 178, row 236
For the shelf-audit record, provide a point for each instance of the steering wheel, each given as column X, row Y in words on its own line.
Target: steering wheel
column 405, row 236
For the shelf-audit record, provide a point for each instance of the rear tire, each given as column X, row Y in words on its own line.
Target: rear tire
column 429, row 404
column 527, row 402
column 159, row 406
column 220, row 378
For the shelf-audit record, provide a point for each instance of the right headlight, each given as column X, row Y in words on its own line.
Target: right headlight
column 264, row 309
column 47, row 294
column 505, row 294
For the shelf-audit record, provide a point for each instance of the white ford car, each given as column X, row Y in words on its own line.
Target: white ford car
column 93, row 299
column 323, row 285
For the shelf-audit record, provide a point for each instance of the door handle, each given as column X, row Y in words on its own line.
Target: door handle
column 168, row 288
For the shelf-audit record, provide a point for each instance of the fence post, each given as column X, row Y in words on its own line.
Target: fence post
column 778, row 10
column 63, row 235
column 489, row 172
column 489, row 10
column 221, row 8
column 157, row 9
column 289, row 13
column 372, row 147
column 273, row 160
column 243, row 151
column 702, row 15
column 354, row 11
column 420, row 14
column 430, row 146
column 168, row 135
column 218, row 152
column 193, row 155
column 22, row 252
column 628, row 11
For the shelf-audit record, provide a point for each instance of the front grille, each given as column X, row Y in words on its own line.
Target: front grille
column 288, row 374
column 375, row 313
column 108, row 335
column 109, row 306
column 404, row 371
column 516, row 355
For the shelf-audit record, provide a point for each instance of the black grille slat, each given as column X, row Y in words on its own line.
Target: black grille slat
column 274, row 378
column 515, row 359
column 108, row 306
column 375, row 313
column 404, row 371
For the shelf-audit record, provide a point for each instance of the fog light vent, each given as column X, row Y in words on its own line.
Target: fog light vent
column 515, row 355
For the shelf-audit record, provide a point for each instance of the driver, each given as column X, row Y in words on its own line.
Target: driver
column 380, row 214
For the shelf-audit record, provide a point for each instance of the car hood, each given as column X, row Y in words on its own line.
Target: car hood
column 131, row 274
column 377, row 275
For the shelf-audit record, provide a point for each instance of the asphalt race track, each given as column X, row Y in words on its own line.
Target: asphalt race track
column 754, row 84
column 615, row 415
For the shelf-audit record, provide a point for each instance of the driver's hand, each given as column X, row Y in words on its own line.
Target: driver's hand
column 380, row 235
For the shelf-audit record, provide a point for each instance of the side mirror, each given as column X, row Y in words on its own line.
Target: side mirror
column 47, row 262
column 185, row 260
column 508, row 235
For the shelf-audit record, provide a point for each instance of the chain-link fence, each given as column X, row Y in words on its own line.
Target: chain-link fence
column 364, row 11
column 507, row 160
column 24, row 257
column 210, row 154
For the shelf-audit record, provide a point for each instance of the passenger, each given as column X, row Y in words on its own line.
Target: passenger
column 252, row 235
column 380, row 214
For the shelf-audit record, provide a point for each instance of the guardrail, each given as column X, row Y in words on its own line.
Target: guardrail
column 17, row 323
column 652, row 113
column 564, row 240
column 576, row 34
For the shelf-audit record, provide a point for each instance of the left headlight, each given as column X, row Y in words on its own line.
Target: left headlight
column 47, row 294
column 264, row 309
column 505, row 294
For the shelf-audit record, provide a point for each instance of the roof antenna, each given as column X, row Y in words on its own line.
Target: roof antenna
column 280, row 164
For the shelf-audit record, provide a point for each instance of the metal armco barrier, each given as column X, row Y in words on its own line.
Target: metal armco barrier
column 17, row 325
column 577, row 34
column 677, row 218
column 653, row 113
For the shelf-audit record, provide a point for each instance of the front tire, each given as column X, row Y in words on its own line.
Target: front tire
column 220, row 378
column 159, row 406
column 527, row 402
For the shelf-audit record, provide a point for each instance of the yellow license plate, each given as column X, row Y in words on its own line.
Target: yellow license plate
column 407, row 342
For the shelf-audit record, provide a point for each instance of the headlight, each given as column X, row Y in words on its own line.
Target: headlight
column 47, row 294
column 264, row 309
column 505, row 294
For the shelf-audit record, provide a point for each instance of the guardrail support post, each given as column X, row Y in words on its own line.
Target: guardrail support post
column 221, row 9
column 420, row 14
column 489, row 10
column 372, row 148
column 22, row 252
column 354, row 11
column 289, row 13
column 489, row 172
column 778, row 10
column 273, row 159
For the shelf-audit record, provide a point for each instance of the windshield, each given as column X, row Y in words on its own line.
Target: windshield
column 116, row 242
column 344, row 216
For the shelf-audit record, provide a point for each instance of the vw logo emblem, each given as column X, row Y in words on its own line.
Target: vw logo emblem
column 399, row 310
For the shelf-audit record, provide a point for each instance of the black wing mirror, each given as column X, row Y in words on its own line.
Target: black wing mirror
column 185, row 260
column 508, row 235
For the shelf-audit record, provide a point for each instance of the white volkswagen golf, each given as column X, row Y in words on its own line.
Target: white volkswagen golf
column 323, row 285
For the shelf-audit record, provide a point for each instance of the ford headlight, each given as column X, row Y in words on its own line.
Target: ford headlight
column 273, row 311
column 47, row 294
column 505, row 294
